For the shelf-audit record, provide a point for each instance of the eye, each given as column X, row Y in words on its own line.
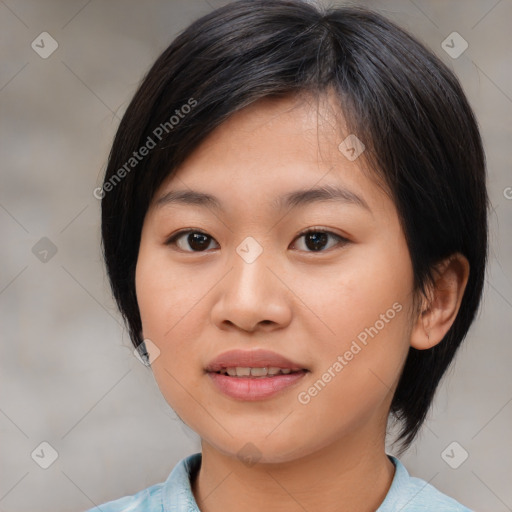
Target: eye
column 316, row 239
column 197, row 240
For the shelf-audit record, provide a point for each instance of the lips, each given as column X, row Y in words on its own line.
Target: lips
column 252, row 359
column 253, row 375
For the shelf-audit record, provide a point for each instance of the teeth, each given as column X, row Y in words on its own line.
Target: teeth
column 258, row 372
column 243, row 372
column 240, row 371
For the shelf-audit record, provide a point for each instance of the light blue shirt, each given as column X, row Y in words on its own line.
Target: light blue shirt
column 406, row 494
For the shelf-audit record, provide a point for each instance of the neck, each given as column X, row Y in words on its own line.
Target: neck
column 351, row 474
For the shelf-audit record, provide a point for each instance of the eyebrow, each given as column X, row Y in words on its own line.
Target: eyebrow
column 326, row 193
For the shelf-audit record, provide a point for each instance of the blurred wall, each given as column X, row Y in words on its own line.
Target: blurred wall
column 69, row 378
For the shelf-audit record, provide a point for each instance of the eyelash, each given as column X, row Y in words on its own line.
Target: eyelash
column 172, row 240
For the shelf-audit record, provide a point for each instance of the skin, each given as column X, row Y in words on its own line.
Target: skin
column 307, row 305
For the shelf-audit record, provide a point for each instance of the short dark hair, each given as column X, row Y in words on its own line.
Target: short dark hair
column 421, row 138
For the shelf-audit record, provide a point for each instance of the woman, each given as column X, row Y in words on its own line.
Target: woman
column 294, row 222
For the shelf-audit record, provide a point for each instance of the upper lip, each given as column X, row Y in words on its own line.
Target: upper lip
column 251, row 359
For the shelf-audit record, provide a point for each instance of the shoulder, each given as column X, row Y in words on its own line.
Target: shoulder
column 173, row 494
column 149, row 499
column 411, row 494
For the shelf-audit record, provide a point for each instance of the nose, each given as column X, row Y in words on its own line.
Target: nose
column 253, row 296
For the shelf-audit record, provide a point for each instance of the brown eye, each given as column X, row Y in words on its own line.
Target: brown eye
column 197, row 241
column 315, row 240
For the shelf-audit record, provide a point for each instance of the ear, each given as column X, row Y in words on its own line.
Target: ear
column 438, row 313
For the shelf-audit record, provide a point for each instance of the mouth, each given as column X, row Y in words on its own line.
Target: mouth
column 255, row 387
column 253, row 375
column 257, row 372
column 253, row 363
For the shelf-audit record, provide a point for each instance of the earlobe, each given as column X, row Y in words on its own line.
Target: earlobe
column 437, row 314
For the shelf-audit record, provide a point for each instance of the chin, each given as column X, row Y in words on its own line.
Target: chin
column 260, row 448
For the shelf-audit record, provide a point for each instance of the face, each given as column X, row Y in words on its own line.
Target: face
column 238, row 273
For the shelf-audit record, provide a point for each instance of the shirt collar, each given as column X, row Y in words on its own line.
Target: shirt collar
column 177, row 493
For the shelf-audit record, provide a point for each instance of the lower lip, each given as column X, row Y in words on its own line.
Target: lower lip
column 254, row 388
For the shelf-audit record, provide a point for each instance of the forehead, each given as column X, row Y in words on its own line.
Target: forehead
column 272, row 153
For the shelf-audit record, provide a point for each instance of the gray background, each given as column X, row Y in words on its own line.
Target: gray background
column 69, row 376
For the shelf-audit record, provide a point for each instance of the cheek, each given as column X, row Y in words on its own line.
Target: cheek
column 363, row 310
column 168, row 303
column 357, row 371
column 357, row 294
column 165, row 296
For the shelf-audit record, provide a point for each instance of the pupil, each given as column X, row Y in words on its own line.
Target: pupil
column 197, row 241
column 318, row 239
